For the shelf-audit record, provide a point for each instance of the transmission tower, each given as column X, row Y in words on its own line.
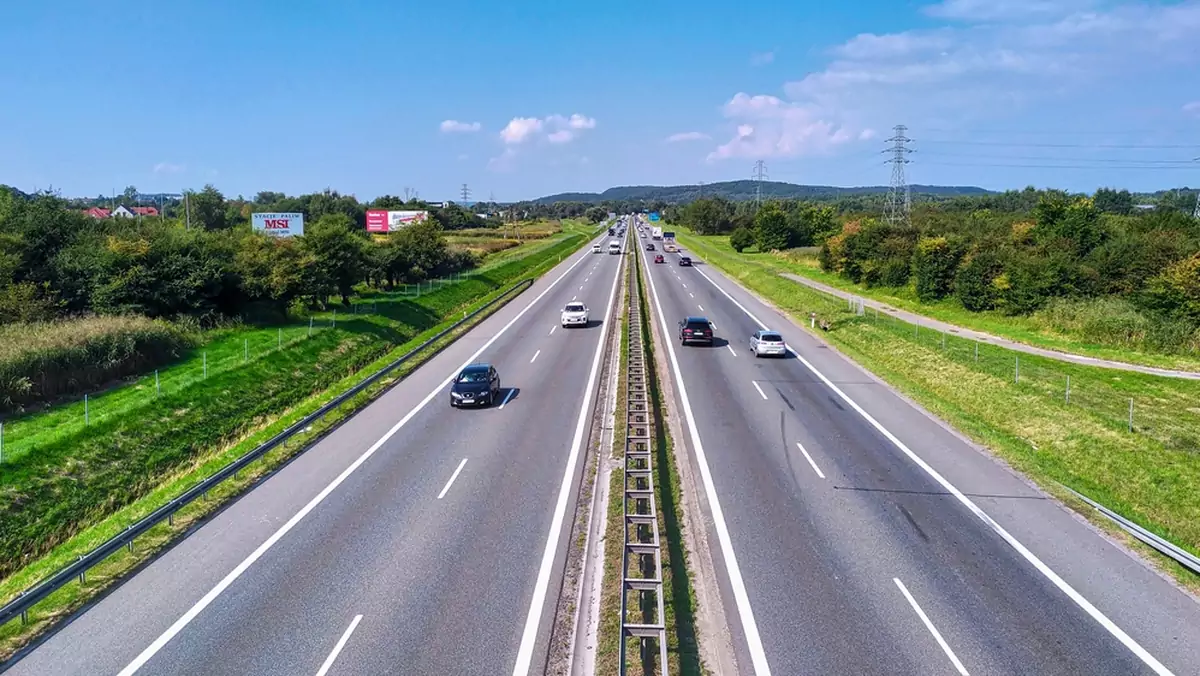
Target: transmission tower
column 899, row 200
column 760, row 173
column 466, row 193
column 1196, row 211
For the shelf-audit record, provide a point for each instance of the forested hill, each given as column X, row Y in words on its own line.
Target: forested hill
column 744, row 190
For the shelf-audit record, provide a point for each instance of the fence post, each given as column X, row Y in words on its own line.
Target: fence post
column 1017, row 371
column 310, row 323
column 1068, row 389
column 206, row 364
column 916, row 326
column 279, row 340
column 86, row 415
column 334, row 324
column 157, row 387
column 245, row 350
column 1, row 442
column 1131, row 414
column 977, row 350
column 943, row 340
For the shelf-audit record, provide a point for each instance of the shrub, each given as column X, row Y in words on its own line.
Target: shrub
column 45, row 360
column 974, row 282
column 934, row 264
column 741, row 239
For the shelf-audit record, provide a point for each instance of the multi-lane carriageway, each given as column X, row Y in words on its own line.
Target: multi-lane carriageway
column 851, row 533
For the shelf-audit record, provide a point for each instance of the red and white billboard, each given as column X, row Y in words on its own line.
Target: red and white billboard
column 380, row 220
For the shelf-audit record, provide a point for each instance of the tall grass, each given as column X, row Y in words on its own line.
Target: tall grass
column 45, row 360
column 1118, row 322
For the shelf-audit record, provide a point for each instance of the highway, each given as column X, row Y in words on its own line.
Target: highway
column 854, row 534
column 413, row 539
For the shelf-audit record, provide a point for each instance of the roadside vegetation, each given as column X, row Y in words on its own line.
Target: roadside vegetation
column 1090, row 275
column 1020, row 407
column 60, row 500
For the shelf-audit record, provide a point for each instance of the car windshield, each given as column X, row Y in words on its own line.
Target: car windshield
column 771, row 338
column 575, row 307
column 473, row 377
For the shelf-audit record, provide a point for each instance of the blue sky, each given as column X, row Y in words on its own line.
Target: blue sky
column 525, row 99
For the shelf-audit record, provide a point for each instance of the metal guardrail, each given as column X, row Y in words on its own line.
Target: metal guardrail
column 642, row 550
column 28, row 598
column 1180, row 556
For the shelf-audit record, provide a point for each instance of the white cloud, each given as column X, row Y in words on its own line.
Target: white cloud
column 454, row 126
column 867, row 135
column 168, row 168
column 520, row 129
column 502, row 162
column 688, row 136
column 999, row 10
column 1192, row 108
column 771, row 127
column 559, row 129
column 762, row 58
column 463, row 156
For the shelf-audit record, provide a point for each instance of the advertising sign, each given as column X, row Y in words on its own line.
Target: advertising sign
column 288, row 224
column 654, row 215
column 379, row 220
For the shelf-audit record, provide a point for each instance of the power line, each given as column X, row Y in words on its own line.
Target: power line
column 1058, row 166
column 899, row 198
column 1125, row 146
column 1048, row 158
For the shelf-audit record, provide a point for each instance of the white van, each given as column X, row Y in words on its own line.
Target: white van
column 614, row 247
column 595, row 248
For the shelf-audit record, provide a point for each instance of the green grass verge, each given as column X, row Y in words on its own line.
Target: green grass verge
column 1030, row 330
column 679, row 605
column 202, row 462
column 1150, row 475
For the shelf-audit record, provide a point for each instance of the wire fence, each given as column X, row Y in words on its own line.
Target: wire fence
column 1166, row 409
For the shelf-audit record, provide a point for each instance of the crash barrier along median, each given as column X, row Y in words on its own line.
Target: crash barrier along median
column 643, row 619
column 24, row 601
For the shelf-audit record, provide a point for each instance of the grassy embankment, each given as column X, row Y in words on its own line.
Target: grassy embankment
column 679, row 606
column 1106, row 328
column 62, row 499
column 1150, row 475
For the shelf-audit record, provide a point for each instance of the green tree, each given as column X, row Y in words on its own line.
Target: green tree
column 974, row 283
column 708, row 216
column 1111, row 201
column 596, row 214
column 771, row 230
column 741, row 239
column 208, row 209
column 339, row 257
column 934, row 264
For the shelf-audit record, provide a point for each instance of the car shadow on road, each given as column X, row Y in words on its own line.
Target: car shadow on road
column 716, row 342
column 508, row 395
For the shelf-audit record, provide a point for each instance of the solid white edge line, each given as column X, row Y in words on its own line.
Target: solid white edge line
column 932, row 629
column 760, row 392
column 233, row 575
column 541, row 586
column 454, row 476
column 508, row 395
column 1095, row 613
column 731, row 349
column 809, row 459
column 337, row 649
column 535, row 356
column 758, row 656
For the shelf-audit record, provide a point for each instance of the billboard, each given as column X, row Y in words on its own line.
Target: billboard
column 380, row 220
column 289, row 224
column 654, row 215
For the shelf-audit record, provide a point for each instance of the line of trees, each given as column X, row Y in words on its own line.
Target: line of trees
column 56, row 262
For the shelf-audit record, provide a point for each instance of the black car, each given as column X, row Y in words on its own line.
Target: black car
column 649, row 247
column 685, row 261
column 476, row 385
column 696, row 330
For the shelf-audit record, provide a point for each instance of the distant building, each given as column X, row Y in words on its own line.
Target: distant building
column 97, row 212
column 131, row 212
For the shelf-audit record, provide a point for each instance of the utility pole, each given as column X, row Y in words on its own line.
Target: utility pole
column 466, row 193
column 187, row 209
column 899, row 200
column 701, row 184
column 760, row 173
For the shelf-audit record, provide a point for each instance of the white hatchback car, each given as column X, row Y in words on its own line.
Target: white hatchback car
column 574, row 314
column 763, row 343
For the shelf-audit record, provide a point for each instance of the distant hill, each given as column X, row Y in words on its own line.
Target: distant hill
column 744, row 190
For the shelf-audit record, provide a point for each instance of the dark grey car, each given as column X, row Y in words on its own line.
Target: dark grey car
column 476, row 385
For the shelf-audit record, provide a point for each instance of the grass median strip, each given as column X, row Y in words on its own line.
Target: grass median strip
column 204, row 462
column 679, row 605
column 1020, row 407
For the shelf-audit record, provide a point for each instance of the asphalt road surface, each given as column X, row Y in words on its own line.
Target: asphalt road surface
column 414, row 539
column 853, row 534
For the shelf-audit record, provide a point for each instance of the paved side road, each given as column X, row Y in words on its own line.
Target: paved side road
column 913, row 318
column 856, row 534
column 415, row 538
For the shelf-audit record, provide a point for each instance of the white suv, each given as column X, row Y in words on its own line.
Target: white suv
column 595, row 248
column 574, row 314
